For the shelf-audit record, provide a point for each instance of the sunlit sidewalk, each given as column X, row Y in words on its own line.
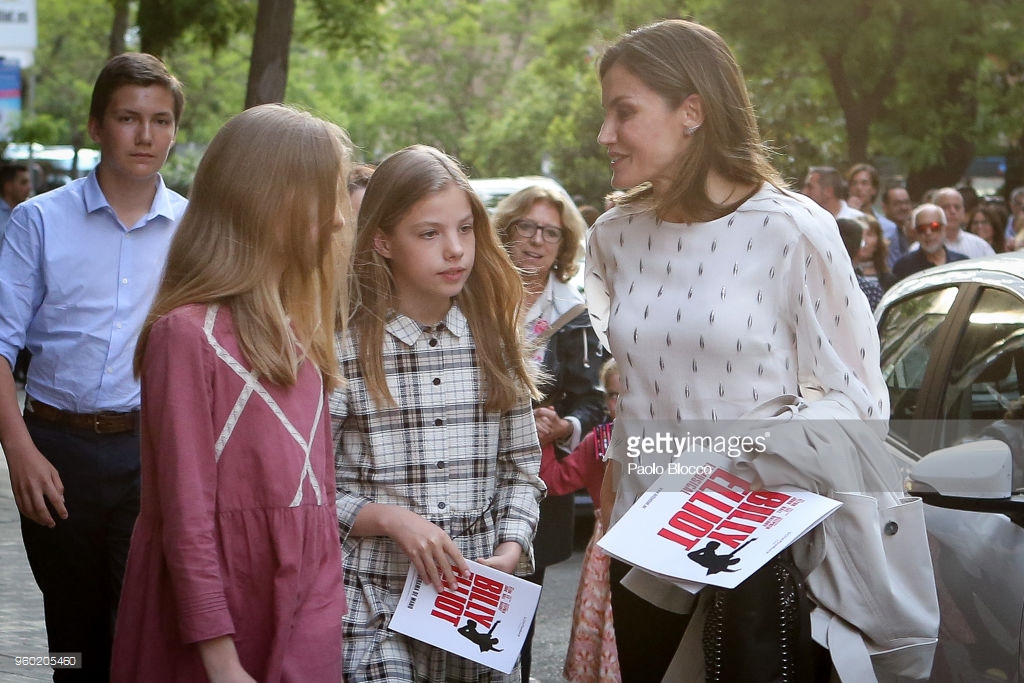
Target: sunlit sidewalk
column 22, row 629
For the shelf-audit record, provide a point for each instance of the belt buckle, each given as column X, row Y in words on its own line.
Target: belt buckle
column 99, row 418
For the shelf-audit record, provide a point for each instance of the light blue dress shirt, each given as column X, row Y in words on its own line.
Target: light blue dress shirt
column 75, row 287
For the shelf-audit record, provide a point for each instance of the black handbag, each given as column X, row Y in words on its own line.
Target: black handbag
column 760, row 631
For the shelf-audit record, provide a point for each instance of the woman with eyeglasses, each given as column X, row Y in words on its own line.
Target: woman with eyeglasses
column 543, row 233
column 988, row 221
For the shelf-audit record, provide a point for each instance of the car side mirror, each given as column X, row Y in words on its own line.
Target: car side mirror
column 978, row 469
column 973, row 476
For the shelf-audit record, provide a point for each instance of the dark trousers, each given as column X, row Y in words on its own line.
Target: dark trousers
column 79, row 564
column 646, row 636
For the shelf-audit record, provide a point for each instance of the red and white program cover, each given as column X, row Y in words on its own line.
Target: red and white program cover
column 703, row 525
column 485, row 618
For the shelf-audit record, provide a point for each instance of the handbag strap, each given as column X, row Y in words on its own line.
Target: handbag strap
column 561, row 322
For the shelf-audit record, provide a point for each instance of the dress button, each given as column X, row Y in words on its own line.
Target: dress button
column 433, row 342
column 441, row 505
column 437, row 380
column 440, row 464
column 438, row 422
column 891, row 528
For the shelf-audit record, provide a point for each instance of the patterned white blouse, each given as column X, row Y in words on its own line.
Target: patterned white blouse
column 708, row 320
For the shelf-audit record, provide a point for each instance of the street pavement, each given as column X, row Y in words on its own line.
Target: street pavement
column 23, row 631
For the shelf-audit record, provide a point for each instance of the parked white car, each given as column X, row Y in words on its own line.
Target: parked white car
column 493, row 190
column 953, row 359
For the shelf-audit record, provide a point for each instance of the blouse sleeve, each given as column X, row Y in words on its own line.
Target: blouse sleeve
column 177, row 425
column 594, row 283
column 836, row 337
column 518, row 488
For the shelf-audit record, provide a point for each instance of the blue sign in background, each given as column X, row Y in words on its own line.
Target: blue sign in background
column 10, row 96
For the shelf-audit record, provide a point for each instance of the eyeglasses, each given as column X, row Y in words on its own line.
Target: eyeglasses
column 527, row 228
column 932, row 227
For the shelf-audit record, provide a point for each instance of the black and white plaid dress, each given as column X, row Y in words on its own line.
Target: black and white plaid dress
column 439, row 454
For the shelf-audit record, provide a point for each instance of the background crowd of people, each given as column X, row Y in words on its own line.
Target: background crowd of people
column 886, row 240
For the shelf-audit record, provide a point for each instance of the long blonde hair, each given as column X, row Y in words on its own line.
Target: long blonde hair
column 677, row 58
column 490, row 299
column 261, row 236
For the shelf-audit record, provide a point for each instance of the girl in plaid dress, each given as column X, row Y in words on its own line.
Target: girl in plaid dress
column 435, row 443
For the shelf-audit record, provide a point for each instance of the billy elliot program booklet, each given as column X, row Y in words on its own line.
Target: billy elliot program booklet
column 485, row 618
column 703, row 525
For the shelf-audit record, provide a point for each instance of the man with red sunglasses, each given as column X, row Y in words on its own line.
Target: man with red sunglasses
column 928, row 222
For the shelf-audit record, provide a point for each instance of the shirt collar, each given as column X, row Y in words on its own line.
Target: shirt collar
column 408, row 331
column 556, row 299
column 96, row 200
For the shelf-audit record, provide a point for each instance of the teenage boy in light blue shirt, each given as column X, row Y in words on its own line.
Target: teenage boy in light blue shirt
column 79, row 267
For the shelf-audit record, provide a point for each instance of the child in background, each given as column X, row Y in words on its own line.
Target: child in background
column 592, row 656
column 234, row 567
column 436, row 448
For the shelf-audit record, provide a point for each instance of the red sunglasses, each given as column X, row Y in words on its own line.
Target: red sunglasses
column 934, row 226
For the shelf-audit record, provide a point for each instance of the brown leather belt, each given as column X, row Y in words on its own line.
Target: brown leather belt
column 105, row 422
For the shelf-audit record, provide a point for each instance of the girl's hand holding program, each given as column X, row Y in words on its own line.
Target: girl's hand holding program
column 428, row 547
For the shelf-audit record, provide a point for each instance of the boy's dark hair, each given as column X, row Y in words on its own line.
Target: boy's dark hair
column 9, row 172
column 133, row 68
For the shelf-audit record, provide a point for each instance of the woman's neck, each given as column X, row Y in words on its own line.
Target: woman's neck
column 533, row 287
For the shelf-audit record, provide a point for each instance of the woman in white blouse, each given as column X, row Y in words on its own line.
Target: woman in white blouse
column 715, row 288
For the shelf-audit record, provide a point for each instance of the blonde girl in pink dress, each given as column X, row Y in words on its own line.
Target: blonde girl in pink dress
column 234, row 570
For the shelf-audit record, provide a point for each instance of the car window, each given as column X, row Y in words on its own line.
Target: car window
column 908, row 331
column 986, row 374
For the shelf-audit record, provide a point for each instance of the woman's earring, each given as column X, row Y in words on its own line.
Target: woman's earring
column 692, row 130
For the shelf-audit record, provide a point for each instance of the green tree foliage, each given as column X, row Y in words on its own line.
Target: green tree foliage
column 72, row 50
column 509, row 86
column 902, row 78
column 162, row 24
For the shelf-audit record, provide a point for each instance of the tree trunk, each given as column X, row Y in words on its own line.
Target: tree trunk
column 268, row 65
column 957, row 150
column 957, row 154
column 117, row 30
column 857, row 130
column 859, row 108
